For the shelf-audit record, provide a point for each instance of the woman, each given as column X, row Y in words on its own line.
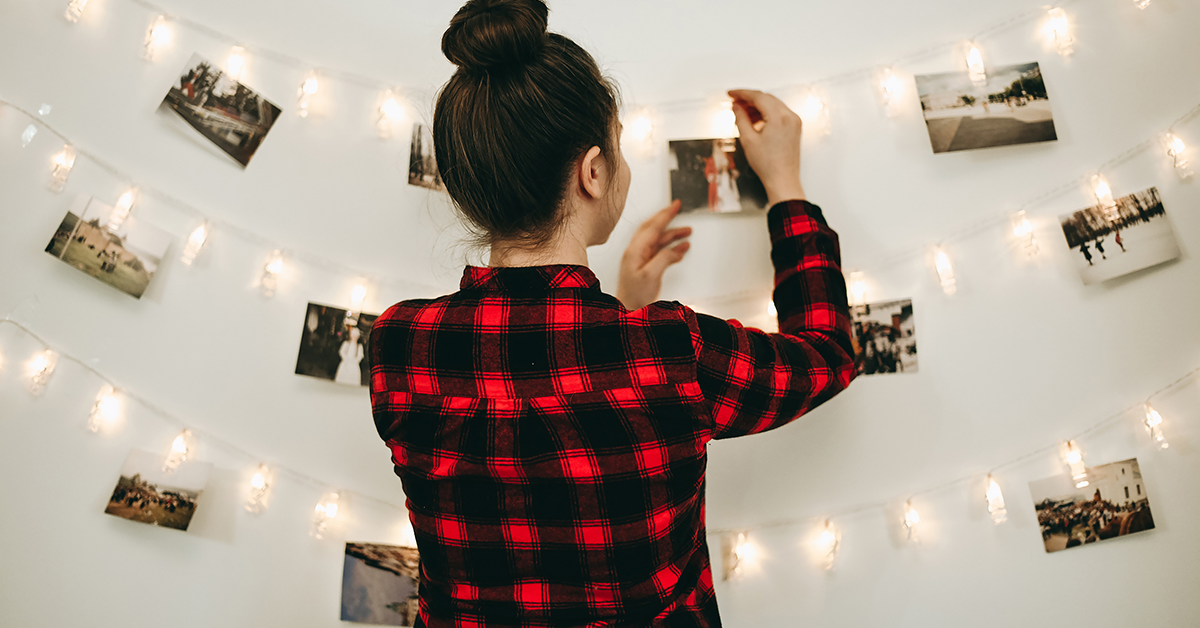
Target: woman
column 722, row 175
column 351, row 354
column 551, row 438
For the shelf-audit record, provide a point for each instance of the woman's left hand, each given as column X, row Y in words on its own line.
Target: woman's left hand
column 651, row 250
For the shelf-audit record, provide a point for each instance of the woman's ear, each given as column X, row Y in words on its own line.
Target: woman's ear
column 591, row 173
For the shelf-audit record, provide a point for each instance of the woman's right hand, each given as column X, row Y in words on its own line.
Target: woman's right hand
column 770, row 135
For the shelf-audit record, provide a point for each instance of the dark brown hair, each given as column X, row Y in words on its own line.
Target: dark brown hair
column 508, row 128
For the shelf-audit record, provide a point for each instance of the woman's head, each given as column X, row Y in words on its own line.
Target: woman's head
column 526, row 123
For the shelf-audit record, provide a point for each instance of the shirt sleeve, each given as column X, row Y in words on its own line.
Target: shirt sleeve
column 756, row 381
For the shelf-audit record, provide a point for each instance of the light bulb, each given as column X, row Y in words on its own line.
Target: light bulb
column 1023, row 231
column 181, row 449
column 260, row 486
column 1153, row 423
column 40, row 368
column 305, row 93
column 1175, row 150
column 736, row 550
column 772, row 311
column 641, row 128
column 945, row 272
column 827, row 544
column 270, row 275
column 1074, row 459
column 195, row 242
column 28, row 134
column 858, row 288
column 105, row 410
column 357, row 296
column 157, row 36
column 724, row 121
column 975, row 69
column 889, row 87
column 391, row 114
column 236, row 62
column 121, row 211
column 325, row 511
column 75, row 10
column 911, row 519
column 1060, row 31
column 995, row 502
column 1105, row 197
column 63, row 162
column 814, row 111
column 1141, row 4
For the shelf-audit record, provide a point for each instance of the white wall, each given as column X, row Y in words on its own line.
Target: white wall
column 1022, row 356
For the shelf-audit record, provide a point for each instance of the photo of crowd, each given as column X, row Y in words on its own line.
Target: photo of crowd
column 1110, row 503
column 1141, row 237
column 885, row 338
column 147, row 494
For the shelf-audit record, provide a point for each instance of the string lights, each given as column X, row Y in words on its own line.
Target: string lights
column 828, row 543
column 1104, row 196
column 858, row 288
column 945, row 271
column 157, row 37
column 975, row 69
column 1153, row 423
column 195, row 242
column 357, row 296
column 105, row 409
column 888, row 86
column 40, row 368
column 121, row 211
column 737, row 552
column 1175, row 150
column 1141, row 4
column 1060, row 31
column 28, row 134
column 391, row 114
column 995, row 501
column 724, row 121
column 911, row 519
column 325, row 511
column 260, row 487
column 814, row 111
column 236, row 62
column 1074, row 459
column 181, row 449
column 63, row 162
column 305, row 94
column 270, row 275
column 1023, row 231
column 75, row 10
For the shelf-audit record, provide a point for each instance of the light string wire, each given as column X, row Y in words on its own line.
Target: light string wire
column 881, row 505
column 312, row 259
column 209, row 437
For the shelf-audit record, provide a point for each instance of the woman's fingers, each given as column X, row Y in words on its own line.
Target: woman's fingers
column 672, row 235
column 666, row 257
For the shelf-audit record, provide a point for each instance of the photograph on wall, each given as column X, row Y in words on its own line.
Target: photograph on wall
column 1108, row 244
column 422, row 165
column 125, row 259
column 333, row 345
column 713, row 175
column 379, row 584
column 1109, row 502
column 147, row 494
column 885, row 337
column 1012, row 107
column 224, row 111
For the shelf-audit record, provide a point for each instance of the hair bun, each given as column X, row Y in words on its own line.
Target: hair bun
column 488, row 35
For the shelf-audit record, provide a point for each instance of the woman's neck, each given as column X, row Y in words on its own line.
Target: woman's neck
column 522, row 254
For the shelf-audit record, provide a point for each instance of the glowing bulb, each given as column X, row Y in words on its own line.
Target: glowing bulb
column 28, row 134
column 40, row 368
column 1141, row 4
column 1175, row 150
column 157, row 36
column 1153, row 424
column 889, row 87
column 827, row 544
column 408, row 538
column 858, row 288
column 75, row 10
column 1074, row 459
column 260, row 485
column 995, row 502
column 737, row 550
column 975, row 67
column 121, row 211
column 305, row 94
column 357, row 296
column 772, row 311
column 1105, row 197
column 814, row 111
column 181, row 449
column 270, row 275
column 63, row 162
column 105, row 410
column 1060, row 30
column 911, row 519
column 725, row 121
column 945, row 272
column 1023, row 231
column 325, row 511
column 391, row 114
column 641, row 128
column 236, row 62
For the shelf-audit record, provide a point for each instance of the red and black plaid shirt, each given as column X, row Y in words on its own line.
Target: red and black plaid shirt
column 551, row 443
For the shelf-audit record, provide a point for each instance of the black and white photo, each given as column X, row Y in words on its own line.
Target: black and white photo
column 1109, row 502
column 333, row 345
column 379, row 584
column 126, row 258
column 422, row 164
column 713, row 175
column 1012, row 107
column 1109, row 244
column 229, row 114
column 885, row 337
column 147, row 494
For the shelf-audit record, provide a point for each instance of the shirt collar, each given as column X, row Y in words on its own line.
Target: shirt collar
column 528, row 278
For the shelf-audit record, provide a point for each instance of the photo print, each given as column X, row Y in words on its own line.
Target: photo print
column 422, row 165
column 125, row 259
column 379, row 584
column 333, row 345
column 1113, row 503
column 147, row 494
column 1011, row 108
column 885, row 338
column 713, row 175
column 1134, row 236
column 232, row 116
